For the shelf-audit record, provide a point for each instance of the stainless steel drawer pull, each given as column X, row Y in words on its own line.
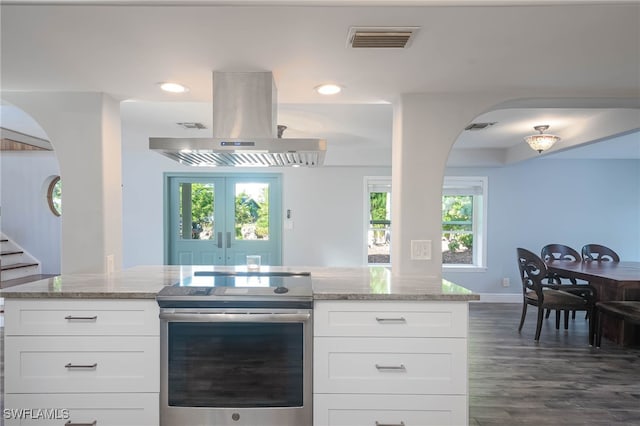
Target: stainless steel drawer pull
column 74, row 318
column 93, row 423
column 390, row 424
column 393, row 320
column 400, row 367
column 94, row 365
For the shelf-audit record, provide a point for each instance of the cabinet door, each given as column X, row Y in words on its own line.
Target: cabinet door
column 390, row 366
column 82, row 364
column 114, row 409
column 389, row 410
column 86, row 317
column 390, row 319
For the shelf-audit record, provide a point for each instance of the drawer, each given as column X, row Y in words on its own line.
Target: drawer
column 87, row 317
column 390, row 318
column 389, row 410
column 390, row 366
column 122, row 409
column 82, row 364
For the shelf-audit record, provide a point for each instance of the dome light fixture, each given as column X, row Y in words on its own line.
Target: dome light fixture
column 541, row 142
column 173, row 87
column 328, row 89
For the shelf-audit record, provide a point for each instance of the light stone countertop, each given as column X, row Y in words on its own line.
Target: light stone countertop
column 329, row 283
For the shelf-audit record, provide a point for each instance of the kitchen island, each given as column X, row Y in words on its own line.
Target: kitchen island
column 386, row 349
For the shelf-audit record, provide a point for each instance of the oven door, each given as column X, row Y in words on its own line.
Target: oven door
column 236, row 367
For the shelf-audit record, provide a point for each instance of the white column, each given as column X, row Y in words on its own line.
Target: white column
column 425, row 127
column 84, row 129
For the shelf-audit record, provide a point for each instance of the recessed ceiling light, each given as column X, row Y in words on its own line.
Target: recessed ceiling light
column 328, row 89
column 173, row 87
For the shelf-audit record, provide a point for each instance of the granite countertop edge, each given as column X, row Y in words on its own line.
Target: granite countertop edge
column 316, row 296
column 144, row 282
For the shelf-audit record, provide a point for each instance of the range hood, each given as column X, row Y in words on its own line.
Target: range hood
column 245, row 131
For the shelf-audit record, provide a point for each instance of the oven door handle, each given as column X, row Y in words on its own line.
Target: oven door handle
column 234, row 317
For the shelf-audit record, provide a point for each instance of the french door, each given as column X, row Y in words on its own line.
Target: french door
column 220, row 219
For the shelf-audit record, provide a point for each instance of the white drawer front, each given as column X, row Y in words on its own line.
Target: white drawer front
column 81, row 317
column 388, row 410
column 136, row 409
column 54, row 364
column 390, row 366
column 390, row 319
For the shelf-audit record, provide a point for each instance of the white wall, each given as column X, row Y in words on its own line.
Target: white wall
column 545, row 201
column 26, row 217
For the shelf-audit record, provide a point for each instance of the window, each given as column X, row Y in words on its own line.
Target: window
column 464, row 213
column 54, row 196
column 464, row 222
column 378, row 202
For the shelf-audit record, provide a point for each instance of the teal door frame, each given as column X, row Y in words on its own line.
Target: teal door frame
column 234, row 252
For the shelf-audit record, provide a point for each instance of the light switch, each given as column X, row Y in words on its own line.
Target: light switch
column 420, row 249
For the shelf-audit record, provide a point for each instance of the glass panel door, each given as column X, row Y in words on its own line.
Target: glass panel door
column 221, row 220
column 195, row 234
column 256, row 215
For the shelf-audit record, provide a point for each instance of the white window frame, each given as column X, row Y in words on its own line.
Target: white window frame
column 369, row 181
column 476, row 186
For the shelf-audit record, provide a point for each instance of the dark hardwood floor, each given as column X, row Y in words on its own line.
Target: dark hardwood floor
column 559, row 381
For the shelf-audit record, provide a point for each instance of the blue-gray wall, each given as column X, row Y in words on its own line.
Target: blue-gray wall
column 572, row 202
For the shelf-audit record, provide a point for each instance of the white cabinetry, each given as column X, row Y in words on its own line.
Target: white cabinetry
column 390, row 363
column 98, row 359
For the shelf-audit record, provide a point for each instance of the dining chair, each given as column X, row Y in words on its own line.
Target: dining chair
column 627, row 311
column 561, row 252
column 597, row 252
column 535, row 292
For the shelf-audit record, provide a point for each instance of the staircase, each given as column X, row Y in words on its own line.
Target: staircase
column 16, row 265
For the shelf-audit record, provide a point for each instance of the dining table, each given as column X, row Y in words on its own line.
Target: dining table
column 611, row 281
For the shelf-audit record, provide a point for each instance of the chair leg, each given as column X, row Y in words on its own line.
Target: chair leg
column 573, row 315
column 598, row 320
column 566, row 319
column 558, row 319
column 539, row 324
column 524, row 314
column 548, row 313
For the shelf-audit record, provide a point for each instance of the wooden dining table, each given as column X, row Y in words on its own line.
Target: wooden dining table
column 612, row 281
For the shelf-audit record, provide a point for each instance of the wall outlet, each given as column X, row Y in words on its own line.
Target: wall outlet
column 506, row 282
column 420, row 249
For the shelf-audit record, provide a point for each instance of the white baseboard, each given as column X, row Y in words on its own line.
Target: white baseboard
column 500, row 298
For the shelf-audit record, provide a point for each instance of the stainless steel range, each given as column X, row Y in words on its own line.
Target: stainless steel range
column 236, row 350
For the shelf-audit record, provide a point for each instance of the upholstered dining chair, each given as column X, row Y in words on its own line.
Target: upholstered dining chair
column 561, row 252
column 597, row 252
column 535, row 292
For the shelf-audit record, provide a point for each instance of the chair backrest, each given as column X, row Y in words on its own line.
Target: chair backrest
column 591, row 252
column 532, row 271
column 552, row 252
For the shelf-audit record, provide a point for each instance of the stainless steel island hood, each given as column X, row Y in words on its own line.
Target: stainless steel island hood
column 245, row 131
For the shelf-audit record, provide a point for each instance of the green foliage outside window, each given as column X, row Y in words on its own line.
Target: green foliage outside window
column 457, row 217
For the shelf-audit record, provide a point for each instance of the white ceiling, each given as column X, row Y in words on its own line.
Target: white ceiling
column 567, row 50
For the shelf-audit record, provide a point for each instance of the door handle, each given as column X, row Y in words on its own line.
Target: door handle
column 219, row 239
column 228, row 239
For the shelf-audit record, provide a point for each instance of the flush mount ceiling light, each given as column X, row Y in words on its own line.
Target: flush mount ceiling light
column 541, row 142
column 328, row 89
column 173, row 87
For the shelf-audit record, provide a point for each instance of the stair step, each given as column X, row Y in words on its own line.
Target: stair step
column 24, row 280
column 17, row 266
column 7, row 253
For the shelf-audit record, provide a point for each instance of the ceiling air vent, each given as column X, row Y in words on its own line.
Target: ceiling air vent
column 192, row 125
column 380, row 37
column 479, row 126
